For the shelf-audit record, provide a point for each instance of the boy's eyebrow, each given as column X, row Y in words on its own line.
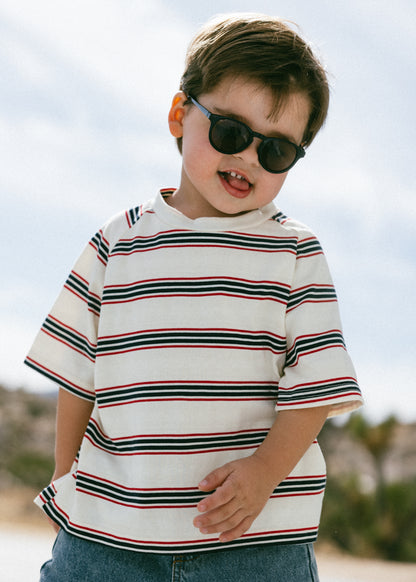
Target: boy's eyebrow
column 225, row 113
column 219, row 111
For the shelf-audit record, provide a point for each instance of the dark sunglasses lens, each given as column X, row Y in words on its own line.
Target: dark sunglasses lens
column 229, row 136
column 276, row 155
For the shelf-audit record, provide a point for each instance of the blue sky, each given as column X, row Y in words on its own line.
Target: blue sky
column 86, row 86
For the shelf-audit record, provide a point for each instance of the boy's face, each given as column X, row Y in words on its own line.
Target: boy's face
column 217, row 184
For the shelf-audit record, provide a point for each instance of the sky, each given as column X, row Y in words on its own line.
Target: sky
column 86, row 87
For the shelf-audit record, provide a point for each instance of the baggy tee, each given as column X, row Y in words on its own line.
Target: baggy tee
column 190, row 336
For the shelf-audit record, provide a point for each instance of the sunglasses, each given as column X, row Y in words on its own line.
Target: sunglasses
column 230, row 136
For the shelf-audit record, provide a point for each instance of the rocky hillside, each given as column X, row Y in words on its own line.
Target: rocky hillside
column 370, row 501
column 27, row 426
column 394, row 460
column 27, row 429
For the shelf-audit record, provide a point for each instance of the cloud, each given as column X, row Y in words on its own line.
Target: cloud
column 78, row 169
column 84, row 115
column 145, row 45
column 388, row 389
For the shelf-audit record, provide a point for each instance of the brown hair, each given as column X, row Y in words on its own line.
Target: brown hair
column 262, row 49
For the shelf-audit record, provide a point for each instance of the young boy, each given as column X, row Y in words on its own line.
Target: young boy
column 197, row 343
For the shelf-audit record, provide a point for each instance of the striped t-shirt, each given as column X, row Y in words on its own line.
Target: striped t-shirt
column 189, row 336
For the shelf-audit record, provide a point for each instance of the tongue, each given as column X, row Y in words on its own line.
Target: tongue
column 237, row 183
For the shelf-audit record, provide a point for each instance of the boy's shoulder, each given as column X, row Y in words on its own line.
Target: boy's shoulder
column 120, row 224
column 292, row 227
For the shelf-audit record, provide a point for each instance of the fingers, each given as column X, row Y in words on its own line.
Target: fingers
column 220, row 522
column 223, row 495
column 240, row 495
column 230, row 524
column 214, row 479
column 223, row 513
column 211, row 520
column 236, row 532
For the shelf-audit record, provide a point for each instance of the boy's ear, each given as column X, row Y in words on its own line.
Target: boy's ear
column 176, row 114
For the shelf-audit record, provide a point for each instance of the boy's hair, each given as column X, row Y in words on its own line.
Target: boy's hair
column 260, row 48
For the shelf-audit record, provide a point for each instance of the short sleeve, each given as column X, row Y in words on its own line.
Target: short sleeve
column 64, row 349
column 318, row 370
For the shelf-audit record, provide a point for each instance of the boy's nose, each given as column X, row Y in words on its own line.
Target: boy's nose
column 250, row 155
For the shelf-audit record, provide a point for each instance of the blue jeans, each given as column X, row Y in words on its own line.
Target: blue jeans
column 77, row 559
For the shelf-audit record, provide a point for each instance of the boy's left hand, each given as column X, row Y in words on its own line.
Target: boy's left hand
column 242, row 490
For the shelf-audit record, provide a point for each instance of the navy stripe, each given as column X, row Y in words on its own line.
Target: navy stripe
column 195, row 238
column 196, row 287
column 171, row 498
column 326, row 390
column 185, row 390
column 177, row 444
column 133, row 215
column 279, row 217
column 302, row 536
column 116, row 493
column 300, row 486
column 60, row 380
column 100, row 244
column 312, row 343
column 311, row 294
column 216, row 338
column 77, row 285
column 73, row 339
column 309, row 247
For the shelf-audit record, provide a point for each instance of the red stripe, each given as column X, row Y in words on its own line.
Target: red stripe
column 74, row 292
column 306, row 255
column 135, row 505
column 328, row 347
column 136, row 488
column 68, row 345
column 305, row 477
column 198, row 279
column 213, row 293
column 76, row 332
column 178, row 542
column 327, row 398
column 311, row 301
column 314, row 335
column 305, row 494
column 190, row 383
column 319, row 383
column 128, row 219
column 152, row 453
column 232, row 232
column 78, row 276
column 206, row 245
column 184, row 399
column 58, row 377
column 197, row 329
column 188, row 346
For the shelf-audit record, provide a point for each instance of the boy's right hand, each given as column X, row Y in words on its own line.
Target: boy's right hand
column 242, row 488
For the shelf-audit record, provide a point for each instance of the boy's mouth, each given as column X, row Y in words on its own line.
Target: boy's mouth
column 238, row 184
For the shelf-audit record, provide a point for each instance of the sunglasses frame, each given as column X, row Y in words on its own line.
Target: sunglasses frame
column 213, row 118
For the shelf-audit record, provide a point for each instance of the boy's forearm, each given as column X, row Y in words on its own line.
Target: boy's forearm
column 289, row 438
column 72, row 417
column 242, row 487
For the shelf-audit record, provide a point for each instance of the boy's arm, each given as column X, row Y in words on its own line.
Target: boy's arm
column 244, row 486
column 72, row 416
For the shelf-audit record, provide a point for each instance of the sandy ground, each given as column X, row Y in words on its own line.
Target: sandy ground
column 26, row 541
column 23, row 551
